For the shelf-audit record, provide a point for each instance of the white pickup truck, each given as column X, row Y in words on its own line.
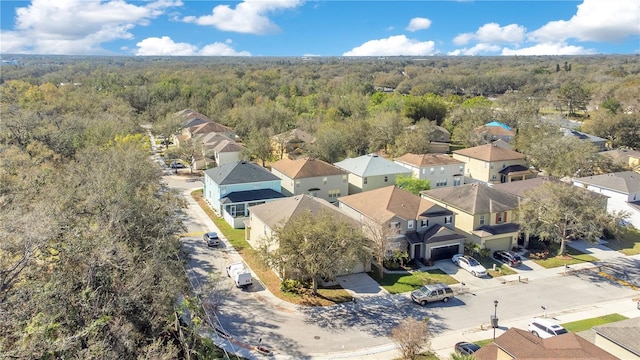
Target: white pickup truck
column 240, row 275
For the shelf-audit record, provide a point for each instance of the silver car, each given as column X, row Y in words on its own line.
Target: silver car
column 432, row 292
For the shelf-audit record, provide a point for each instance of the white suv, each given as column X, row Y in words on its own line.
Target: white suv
column 544, row 328
column 470, row 264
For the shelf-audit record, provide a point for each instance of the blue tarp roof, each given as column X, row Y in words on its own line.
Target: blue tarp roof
column 497, row 123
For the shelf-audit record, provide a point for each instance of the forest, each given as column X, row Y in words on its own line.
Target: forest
column 90, row 262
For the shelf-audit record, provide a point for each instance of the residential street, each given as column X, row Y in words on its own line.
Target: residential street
column 359, row 330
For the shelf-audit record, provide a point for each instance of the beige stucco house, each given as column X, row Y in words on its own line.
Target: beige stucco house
column 485, row 214
column 493, row 164
column 313, row 177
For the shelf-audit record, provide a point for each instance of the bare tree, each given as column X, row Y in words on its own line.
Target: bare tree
column 412, row 337
column 381, row 235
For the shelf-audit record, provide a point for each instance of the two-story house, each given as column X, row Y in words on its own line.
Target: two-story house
column 231, row 188
column 290, row 144
column 420, row 227
column 266, row 218
column 622, row 190
column 440, row 169
column 482, row 212
column 371, row 171
column 493, row 131
column 313, row 177
column 493, row 164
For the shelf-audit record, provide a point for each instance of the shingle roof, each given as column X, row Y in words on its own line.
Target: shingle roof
column 490, row 152
column 422, row 160
column 621, row 155
column 474, row 198
column 210, row 127
column 295, row 134
column 625, row 334
column 384, row 203
column 626, row 182
column 520, row 187
column 228, row 146
column 439, row 233
column 371, row 165
column 240, row 172
column 521, row 344
column 277, row 213
column 306, row 168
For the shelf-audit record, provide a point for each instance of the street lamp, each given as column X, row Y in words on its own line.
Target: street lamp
column 494, row 320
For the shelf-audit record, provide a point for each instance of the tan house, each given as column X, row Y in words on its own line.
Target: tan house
column 420, row 227
column 628, row 158
column 493, row 131
column 313, row 177
column 368, row 172
column 266, row 218
column 485, row 214
column 493, row 164
column 521, row 344
column 440, row 169
column 290, row 144
column 620, row 338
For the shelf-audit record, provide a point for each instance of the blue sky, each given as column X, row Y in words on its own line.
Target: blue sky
column 320, row 27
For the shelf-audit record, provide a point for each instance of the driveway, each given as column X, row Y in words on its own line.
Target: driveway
column 361, row 285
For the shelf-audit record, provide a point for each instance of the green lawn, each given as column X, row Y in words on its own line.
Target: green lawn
column 627, row 242
column 586, row 324
column 483, row 342
column 501, row 269
column 406, row 281
column 573, row 257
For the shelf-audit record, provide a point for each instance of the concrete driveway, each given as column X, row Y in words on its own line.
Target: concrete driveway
column 360, row 285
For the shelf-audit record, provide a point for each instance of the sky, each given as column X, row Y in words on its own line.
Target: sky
column 319, row 27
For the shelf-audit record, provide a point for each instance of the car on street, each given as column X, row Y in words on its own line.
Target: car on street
column 432, row 292
column 470, row 264
column 545, row 328
column 177, row 165
column 511, row 258
column 211, row 238
column 466, row 348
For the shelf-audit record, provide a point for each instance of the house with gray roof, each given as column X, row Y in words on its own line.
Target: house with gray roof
column 598, row 142
column 311, row 176
column 231, row 189
column 266, row 218
column 482, row 212
column 620, row 338
column 371, row 171
column 622, row 188
column 418, row 226
column 440, row 170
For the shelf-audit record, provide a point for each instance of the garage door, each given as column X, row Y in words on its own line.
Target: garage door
column 498, row 244
column 444, row 252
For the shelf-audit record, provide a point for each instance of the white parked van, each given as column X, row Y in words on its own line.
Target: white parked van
column 240, row 275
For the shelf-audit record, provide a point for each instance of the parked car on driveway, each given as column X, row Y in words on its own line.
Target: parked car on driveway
column 545, row 328
column 177, row 165
column 211, row 238
column 466, row 348
column 470, row 264
column 432, row 292
column 511, row 258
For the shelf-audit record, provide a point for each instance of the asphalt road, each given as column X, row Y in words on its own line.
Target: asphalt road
column 253, row 317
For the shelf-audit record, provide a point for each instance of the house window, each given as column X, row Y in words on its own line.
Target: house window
column 424, row 223
column 486, row 165
column 333, row 194
column 448, row 219
column 410, row 224
column 313, row 193
column 394, row 225
column 501, row 217
column 431, row 170
column 297, row 183
column 441, row 182
column 291, row 183
column 324, row 180
column 481, row 219
column 461, row 168
column 493, row 177
column 223, row 190
column 424, row 171
column 365, row 181
column 441, row 169
column 344, row 178
column 504, row 165
column 386, row 178
column 456, row 182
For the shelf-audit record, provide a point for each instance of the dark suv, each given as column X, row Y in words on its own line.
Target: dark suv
column 508, row 257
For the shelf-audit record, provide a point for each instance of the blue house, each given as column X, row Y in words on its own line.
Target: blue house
column 231, row 188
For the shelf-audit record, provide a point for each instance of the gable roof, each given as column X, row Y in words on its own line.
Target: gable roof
column 582, row 136
column 626, row 182
column 623, row 333
column 520, row 187
column 225, row 146
column 490, row 152
column 521, row 344
column 371, row 165
column 295, row 134
column 210, row 127
column 423, row 160
column 390, row 201
column 306, row 168
column 240, row 172
column 278, row 213
column 621, row 155
column 474, row 198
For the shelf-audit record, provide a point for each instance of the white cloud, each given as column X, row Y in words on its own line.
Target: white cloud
column 77, row 26
column 549, row 49
column 493, row 33
column 248, row 17
column 476, row 50
column 595, row 20
column 393, row 46
column 165, row 46
column 419, row 24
